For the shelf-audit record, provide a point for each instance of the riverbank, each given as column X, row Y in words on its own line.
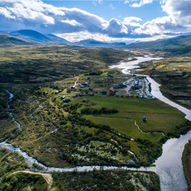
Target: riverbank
column 171, row 174
column 186, row 160
column 174, row 74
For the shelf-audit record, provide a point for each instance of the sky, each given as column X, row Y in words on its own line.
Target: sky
column 109, row 9
column 103, row 20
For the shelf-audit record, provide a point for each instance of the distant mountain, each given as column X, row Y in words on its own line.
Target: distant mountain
column 56, row 39
column 38, row 37
column 31, row 35
column 7, row 40
column 94, row 43
column 176, row 45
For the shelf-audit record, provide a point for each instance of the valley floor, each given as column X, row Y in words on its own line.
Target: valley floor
column 81, row 117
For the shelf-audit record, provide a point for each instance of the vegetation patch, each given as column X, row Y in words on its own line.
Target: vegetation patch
column 186, row 160
column 107, row 180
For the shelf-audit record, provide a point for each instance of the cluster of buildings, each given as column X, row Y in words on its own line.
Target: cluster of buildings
column 128, row 82
column 120, row 86
column 139, row 86
column 83, row 85
column 147, row 88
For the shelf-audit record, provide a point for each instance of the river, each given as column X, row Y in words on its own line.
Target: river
column 168, row 166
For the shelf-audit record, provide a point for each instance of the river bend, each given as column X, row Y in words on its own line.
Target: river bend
column 168, row 166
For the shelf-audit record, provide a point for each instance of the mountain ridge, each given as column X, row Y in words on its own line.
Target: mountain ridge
column 176, row 45
column 7, row 40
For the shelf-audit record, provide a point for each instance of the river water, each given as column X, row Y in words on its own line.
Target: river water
column 168, row 166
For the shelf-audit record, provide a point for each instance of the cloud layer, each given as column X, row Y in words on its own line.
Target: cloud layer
column 138, row 3
column 178, row 19
column 46, row 18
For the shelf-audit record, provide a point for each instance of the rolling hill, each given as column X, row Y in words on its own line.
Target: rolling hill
column 176, row 45
column 38, row 37
column 94, row 43
column 7, row 40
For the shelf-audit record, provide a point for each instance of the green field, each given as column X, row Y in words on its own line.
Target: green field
column 160, row 117
column 81, row 139
column 48, row 63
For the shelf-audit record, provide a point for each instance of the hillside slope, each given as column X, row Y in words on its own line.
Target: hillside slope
column 38, row 37
column 177, row 45
column 7, row 40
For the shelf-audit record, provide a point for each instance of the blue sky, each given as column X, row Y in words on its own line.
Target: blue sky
column 103, row 20
column 109, row 9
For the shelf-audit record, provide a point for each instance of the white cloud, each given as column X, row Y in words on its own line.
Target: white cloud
column 90, row 21
column 6, row 13
column 71, row 22
column 178, row 10
column 128, row 20
column 178, row 19
column 47, row 18
column 20, row 10
column 138, row 3
column 155, row 26
column 84, row 35
column 132, row 21
column 116, row 27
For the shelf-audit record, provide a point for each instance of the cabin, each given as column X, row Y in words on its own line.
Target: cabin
column 73, row 88
column 91, row 93
column 66, row 100
column 121, row 85
column 109, row 76
column 144, row 118
column 58, row 91
column 104, row 92
column 63, row 97
column 68, row 91
column 83, row 84
column 111, row 89
column 140, row 84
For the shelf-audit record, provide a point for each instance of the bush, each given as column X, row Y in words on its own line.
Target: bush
column 94, row 111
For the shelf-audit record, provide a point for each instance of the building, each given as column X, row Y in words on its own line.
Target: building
column 66, row 100
column 63, row 97
column 144, row 119
column 68, row 91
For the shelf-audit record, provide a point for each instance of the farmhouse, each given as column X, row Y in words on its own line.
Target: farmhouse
column 66, row 100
